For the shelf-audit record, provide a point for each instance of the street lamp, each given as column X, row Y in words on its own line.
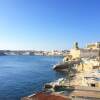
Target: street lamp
column 99, row 55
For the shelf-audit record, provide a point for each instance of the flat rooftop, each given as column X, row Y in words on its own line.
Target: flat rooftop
column 45, row 96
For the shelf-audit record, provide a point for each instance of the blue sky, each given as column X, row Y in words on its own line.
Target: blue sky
column 48, row 24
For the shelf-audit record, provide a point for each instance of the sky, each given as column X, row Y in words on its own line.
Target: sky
column 48, row 24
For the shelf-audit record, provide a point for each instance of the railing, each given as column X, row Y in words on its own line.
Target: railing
column 83, row 88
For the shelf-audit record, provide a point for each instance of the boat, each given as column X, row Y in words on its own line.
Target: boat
column 60, row 66
column 63, row 66
column 53, row 84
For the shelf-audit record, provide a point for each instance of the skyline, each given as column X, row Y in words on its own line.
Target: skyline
column 48, row 24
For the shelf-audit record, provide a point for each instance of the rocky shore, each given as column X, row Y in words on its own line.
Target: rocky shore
column 82, row 81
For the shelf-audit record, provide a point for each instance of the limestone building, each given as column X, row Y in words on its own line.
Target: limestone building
column 91, row 50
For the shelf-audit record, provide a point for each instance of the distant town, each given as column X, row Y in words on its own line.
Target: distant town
column 34, row 52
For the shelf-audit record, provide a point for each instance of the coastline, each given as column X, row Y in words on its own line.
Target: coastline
column 85, row 81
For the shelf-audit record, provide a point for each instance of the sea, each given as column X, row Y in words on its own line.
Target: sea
column 24, row 75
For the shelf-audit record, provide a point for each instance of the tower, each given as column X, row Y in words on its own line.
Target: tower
column 75, row 46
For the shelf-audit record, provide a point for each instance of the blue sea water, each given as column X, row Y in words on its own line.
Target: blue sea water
column 23, row 75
